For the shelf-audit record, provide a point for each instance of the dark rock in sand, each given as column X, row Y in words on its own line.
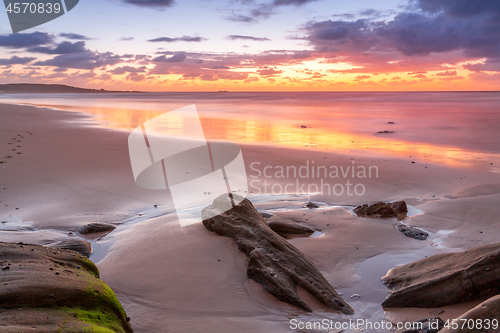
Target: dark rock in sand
column 273, row 262
column 290, row 229
column 377, row 210
column 75, row 244
column 399, row 207
column 385, row 132
column 390, row 123
column 311, row 205
column 428, row 325
column 484, row 313
column 413, row 232
column 266, row 215
column 94, row 228
column 445, row 279
column 303, row 126
column 34, row 298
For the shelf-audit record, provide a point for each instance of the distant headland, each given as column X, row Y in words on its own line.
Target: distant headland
column 50, row 88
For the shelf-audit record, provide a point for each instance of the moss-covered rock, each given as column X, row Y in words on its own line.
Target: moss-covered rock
column 55, row 290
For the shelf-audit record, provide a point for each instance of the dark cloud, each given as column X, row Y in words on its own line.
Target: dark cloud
column 301, row 55
column 490, row 65
column 219, row 67
column 291, row 2
column 468, row 26
column 134, row 76
column 18, row 40
column 62, row 48
column 177, row 39
column 126, row 39
column 15, row 60
column 460, row 8
column 83, row 60
column 208, row 77
column 259, row 39
column 342, row 36
column 128, row 69
column 178, row 57
column 151, row 3
column 74, row 36
column 242, row 18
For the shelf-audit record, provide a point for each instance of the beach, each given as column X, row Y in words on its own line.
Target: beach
column 74, row 168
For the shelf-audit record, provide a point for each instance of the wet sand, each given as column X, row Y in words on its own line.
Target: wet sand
column 71, row 172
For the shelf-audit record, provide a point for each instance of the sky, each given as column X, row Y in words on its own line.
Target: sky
column 261, row 45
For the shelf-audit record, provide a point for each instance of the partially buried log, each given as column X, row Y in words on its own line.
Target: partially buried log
column 445, row 278
column 273, row 263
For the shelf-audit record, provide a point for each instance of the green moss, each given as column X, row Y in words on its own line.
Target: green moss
column 89, row 266
column 99, row 320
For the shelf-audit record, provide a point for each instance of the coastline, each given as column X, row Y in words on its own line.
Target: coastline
column 70, row 174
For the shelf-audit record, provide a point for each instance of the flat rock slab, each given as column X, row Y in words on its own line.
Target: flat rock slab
column 96, row 228
column 290, row 229
column 487, row 314
column 274, row 263
column 445, row 279
column 39, row 282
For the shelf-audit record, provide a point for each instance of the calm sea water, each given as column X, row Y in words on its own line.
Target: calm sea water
column 454, row 128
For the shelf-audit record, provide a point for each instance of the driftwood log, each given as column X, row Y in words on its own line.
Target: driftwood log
column 273, row 262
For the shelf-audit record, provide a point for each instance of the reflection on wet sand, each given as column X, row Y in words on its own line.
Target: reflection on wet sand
column 256, row 130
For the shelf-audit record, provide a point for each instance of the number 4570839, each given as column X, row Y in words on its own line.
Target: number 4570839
column 32, row 7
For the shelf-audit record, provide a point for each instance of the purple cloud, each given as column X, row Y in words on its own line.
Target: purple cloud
column 15, row 60
column 18, row 40
column 177, row 39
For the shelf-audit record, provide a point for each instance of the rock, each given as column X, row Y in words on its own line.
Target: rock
column 94, row 228
column 311, row 205
column 413, row 232
column 34, row 299
column 273, row 262
column 428, row 325
column 377, row 210
column 385, row 132
column 445, row 279
column 399, row 207
column 75, row 244
column 484, row 313
column 303, row 126
column 266, row 215
column 289, row 229
column 390, row 123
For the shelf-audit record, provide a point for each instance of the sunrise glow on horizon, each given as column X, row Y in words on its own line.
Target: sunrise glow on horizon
column 280, row 45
